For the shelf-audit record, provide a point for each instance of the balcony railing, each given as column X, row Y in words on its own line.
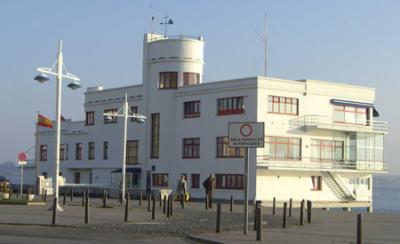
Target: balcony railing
column 307, row 163
column 310, row 122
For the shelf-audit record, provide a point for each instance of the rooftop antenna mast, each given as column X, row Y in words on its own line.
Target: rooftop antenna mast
column 167, row 21
column 152, row 19
column 264, row 39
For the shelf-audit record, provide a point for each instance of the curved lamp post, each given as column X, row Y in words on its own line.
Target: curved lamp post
column 126, row 113
column 58, row 70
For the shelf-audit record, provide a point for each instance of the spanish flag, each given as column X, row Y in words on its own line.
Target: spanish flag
column 45, row 122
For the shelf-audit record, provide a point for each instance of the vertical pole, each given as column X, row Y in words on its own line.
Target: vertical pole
column 284, row 220
column 265, row 45
column 153, row 209
column 45, row 195
column 302, row 212
column 273, row 205
column 359, row 229
column 87, row 208
column 309, row 205
column 246, row 192
column 148, row 202
column 171, row 205
column 259, row 222
column 160, row 199
column 290, row 207
column 164, row 204
column 21, row 181
column 140, row 198
column 37, row 187
column 218, row 228
column 53, row 221
column 65, row 196
column 256, row 209
column 231, row 208
column 206, row 201
column 83, row 197
column 168, row 207
column 126, row 208
column 71, row 194
column 124, row 146
column 104, row 198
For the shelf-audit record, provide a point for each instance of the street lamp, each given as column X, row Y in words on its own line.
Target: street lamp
column 126, row 113
column 58, row 70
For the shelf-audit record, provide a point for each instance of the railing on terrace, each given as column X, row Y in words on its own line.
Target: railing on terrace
column 307, row 163
column 181, row 37
column 327, row 122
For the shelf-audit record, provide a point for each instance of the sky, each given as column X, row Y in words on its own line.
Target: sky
column 356, row 42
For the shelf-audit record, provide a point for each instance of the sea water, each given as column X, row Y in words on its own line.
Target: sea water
column 386, row 193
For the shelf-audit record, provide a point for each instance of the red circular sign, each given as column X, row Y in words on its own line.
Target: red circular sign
column 246, row 130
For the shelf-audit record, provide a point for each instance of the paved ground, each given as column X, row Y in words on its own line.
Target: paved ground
column 21, row 223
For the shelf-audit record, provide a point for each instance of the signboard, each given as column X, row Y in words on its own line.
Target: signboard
column 246, row 134
column 22, row 158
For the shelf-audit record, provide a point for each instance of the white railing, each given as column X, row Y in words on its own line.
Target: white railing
column 327, row 122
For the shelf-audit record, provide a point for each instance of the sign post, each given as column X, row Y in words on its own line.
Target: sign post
column 246, row 135
column 21, row 163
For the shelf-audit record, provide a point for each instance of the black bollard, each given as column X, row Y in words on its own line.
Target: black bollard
column 171, row 205
column 290, row 207
column 160, row 198
column 168, row 207
column 153, row 209
column 148, row 202
column 206, row 201
column 284, row 220
column 64, row 198
column 359, row 229
column 165, row 203
column 42, row 194
column 83, row 198
column 71, row 195
column 127, row 208
column 54, row 219
column 256, row 209
column 302, row 213
column 140, row 198
column 86, row 207
column 259, row 222
column 273, row 205
column 309, row 206
column 45, row 196
column 218, row 229
column 231, row 207
column 104, row 199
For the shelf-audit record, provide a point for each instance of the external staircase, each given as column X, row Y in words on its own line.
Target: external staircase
column 340, row 189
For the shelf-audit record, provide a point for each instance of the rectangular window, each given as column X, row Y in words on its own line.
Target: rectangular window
column 283, row 105
column 105, row 150
column 168, row 80
column 66, row 151
column 62, row 152
column 316, row 183
column 283, row 148
column 230, row 105
column 43, row 153
column 224, row 151
column 191, row 78
column 229, row 181
column 326, row 150
column 155, row 135
column 351, row 115
column 160, row 180
column 195, row 181
column 191, row 148
column 191, row 109
column 110, row 119
column 77, row 178
column 132, row 152
column 78, row 151
column 91, row 151
column 89, row 118
column 134, row 110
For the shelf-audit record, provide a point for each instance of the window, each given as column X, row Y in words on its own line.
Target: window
column 134, row 110
column 195, row 181
column 132, row 152
column 62, row 152
column 89, row 118
column 229, row 181
column 191, row 109
column 77, row 178
column 155, row 135
column 283, row 148
column 112, row 119
column 105, row 150
column 369, row 147
column 326, row 150
column 351, row 115
column 160, row 180
column 316, row 183
column 43, row 153
column 78, row 151
column 283, row 105
column 168, row 80
column 230, row 105
column 191, row 148
column 91, row 152
column 66, row 151
column 224, row 151
column 191, row 78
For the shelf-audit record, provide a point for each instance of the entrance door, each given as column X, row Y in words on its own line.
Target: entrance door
column 77, row 178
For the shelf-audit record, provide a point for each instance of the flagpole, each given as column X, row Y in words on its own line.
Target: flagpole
column 37, row 154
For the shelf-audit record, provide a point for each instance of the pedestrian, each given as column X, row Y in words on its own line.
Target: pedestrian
column 182, row 188
column 209, row 185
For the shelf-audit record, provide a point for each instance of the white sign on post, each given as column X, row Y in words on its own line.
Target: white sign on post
column 246, row 134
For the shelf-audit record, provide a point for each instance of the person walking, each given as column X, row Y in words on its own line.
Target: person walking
column 209, row 185
column 182, row 188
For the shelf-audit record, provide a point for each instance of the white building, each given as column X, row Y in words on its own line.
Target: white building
column 322, row 140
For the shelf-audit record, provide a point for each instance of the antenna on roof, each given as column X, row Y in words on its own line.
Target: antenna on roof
column 152, row 18
column 264, row 39
column 167, row 21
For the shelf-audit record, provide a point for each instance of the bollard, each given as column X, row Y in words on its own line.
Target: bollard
column 302, row 212
column 284, row 220
column 104, row 199
column 140, row 198
column 45, row 196
column 231, row 203
column 259, row 222
column 153, row 209
column 53, row 220
column 160, row 198
column 256, row 209
column 42, row 194
column 64, row 198
column 71, row 195
column 86, row 207
column 168, row 207
column 273, row 205
column 148, row 202
column 171, row 205
column 309, row 206
column 126, row 208
column 290, row 207
column 165, row 203
column 83, row 198
column 206, row 201
column 218, row 228
column 359, row 229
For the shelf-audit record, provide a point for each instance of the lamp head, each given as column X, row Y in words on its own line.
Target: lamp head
column 74, row 85
column 108, row 118
column 41, row 78
column 140, row 120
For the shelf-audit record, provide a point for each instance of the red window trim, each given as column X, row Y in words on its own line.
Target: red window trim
column 287, row 147
column 222, row 157
column 321, row 146
column 237, row 187
column 162, row 175
column 223, row 111
column 191, row 115
column 192, row 146
column 279, row 102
